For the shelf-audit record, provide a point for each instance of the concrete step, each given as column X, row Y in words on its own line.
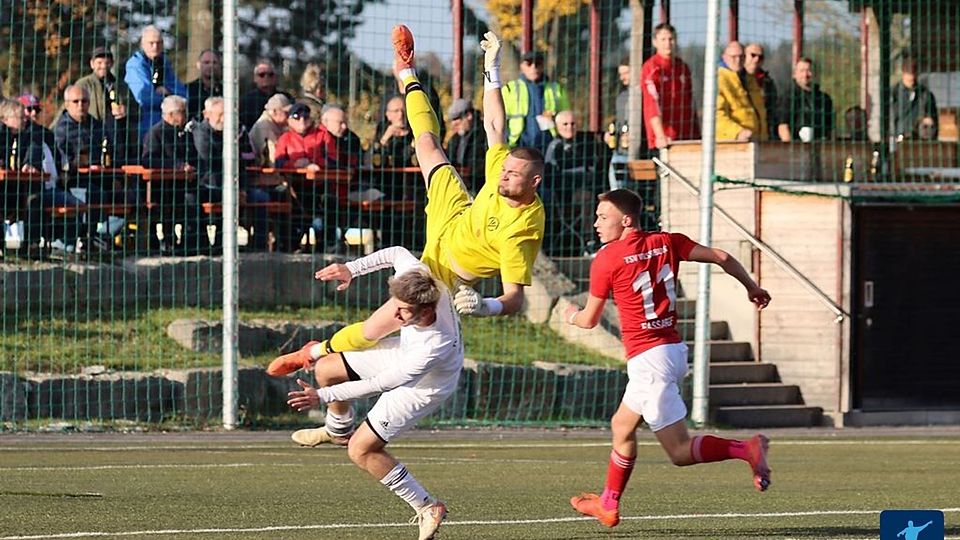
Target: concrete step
column 766, row 416
column 726, row 351
column 686, row 308
column 742, row 372
column 754, row 394
column 718, row 329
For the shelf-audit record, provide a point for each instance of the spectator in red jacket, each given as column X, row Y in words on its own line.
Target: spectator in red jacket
column 667, row 87
column 302, row 146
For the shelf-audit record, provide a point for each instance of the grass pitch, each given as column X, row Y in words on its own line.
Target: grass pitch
column 257, row 485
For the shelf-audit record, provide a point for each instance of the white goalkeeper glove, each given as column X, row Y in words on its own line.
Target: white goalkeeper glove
column 491, row 52
column 469, row 302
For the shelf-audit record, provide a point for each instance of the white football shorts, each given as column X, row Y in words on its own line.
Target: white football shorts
column 399, row 409
column 653, row 387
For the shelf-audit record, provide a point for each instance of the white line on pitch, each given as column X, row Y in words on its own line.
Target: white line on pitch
column 226, row 446
column 158, row 532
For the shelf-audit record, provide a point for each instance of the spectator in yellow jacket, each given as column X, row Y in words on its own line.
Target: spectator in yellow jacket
column 741, row 114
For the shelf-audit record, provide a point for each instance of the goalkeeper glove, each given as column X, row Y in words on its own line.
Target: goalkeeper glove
column 469, row 302
column 491, row 51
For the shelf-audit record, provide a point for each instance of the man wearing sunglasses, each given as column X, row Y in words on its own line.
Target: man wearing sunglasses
column 753, row 65
column 252, row 103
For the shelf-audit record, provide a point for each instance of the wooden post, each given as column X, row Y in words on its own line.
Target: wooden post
column 457, row 82
column 595, row 32
column 526, row 17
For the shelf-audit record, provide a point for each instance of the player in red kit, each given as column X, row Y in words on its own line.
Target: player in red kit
column 667, row 88
column 640, row 269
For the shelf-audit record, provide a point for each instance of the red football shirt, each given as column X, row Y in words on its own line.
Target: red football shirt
column 668, row 93
column 641, row 270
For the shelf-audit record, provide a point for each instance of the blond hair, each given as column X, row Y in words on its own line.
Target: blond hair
column 312, row 78
column 416, row 288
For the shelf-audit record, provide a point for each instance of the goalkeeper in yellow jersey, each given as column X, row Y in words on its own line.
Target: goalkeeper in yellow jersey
column 500, row 231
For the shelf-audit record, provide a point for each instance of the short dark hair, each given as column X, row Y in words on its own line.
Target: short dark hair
column 806, row 60
column 664, row 26
column 624, row 60
column 626, row 201
column 532, row 155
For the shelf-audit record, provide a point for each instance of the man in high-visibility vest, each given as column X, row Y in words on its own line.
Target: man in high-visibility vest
column 531, row 102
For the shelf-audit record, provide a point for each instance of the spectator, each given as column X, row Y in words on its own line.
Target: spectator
column 251, row 103
column 468, row 145
column 35, row 129
column 151, row 79
column 312, row 91
column 302, row 145
column 21, row 152
column 167, row 145
column 206, row 85
column 741, row 115
column 394, row 144
column 24, row 152
column 341, row 146
column 617, row 135
column 531, row 102
column 208, row 140
column 753, row 64
column 667, row 86
column 574, row 163
column 915, row 113
column 80, row 138
column 268, row 129
column 107, row 97
column 855, row 119
column 105, row 91
column 805, row 112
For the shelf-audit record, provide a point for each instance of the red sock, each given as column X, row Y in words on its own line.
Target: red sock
column 707, row 448
column 618, row 473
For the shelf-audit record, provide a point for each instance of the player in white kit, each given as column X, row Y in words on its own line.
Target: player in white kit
column 414, row 373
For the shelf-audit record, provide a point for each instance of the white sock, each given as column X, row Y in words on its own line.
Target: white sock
column 317, row 351
column 405, row 486
column 339, row 425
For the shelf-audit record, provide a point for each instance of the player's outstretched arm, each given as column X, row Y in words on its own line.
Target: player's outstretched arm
column 731, row 266
column 589, row 316
column 494, row 115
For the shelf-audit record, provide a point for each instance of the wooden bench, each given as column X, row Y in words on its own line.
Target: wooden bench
column 642, row 170
column 272, row 208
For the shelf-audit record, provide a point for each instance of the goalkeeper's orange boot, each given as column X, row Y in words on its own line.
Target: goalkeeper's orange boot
column 589, row 504
column 402, row 40
column 757, row 448
column 292, row 362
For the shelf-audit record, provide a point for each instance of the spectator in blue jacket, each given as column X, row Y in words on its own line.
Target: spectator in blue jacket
column 150, row 78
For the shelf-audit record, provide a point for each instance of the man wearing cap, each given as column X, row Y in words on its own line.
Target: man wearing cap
column 531, row 102
column 302, row 145
column 106, row 92
column 206, row 85
column 151, row 78
column 34, row 128
column 468, row 145
column 266, row 131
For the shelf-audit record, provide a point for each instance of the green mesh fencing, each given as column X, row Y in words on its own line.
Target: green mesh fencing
column 112, row 259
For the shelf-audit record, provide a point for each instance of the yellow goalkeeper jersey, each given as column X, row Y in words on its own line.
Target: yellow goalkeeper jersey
column 491, row 236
